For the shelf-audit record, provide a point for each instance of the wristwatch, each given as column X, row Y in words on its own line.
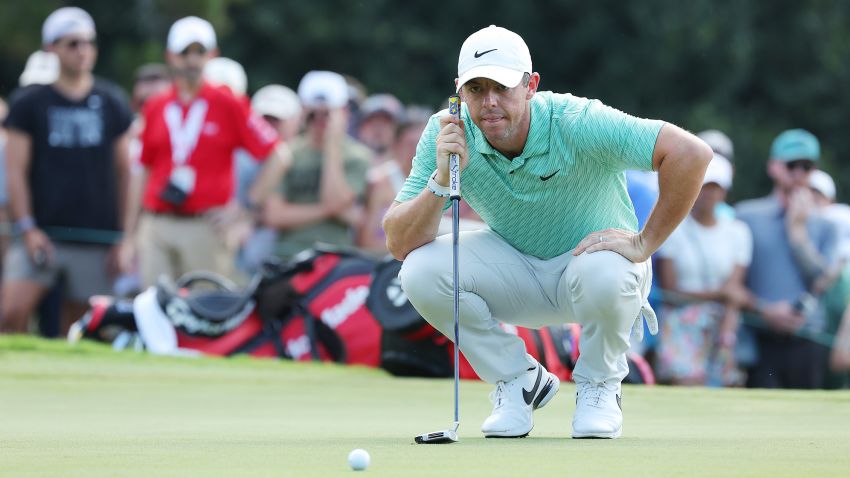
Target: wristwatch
column 436, row 188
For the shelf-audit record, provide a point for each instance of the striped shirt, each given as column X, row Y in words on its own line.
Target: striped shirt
column 568, row 181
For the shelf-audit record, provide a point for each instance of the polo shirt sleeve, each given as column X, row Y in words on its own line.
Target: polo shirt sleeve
column 256, row 135
column 424, row 163
column 616, row 139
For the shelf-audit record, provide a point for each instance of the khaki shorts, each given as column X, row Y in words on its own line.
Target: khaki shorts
column 83, row 266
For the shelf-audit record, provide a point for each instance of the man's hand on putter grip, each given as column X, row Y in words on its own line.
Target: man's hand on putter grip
column 451, row 139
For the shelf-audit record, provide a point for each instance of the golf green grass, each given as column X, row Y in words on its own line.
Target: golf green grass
column 88, row 411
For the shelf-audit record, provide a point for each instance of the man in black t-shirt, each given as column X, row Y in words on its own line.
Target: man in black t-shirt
column 67, row 162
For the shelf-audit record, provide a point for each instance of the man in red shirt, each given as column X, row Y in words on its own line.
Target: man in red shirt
column 190, row 134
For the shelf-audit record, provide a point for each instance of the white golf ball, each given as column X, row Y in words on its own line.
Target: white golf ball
column 358, row 459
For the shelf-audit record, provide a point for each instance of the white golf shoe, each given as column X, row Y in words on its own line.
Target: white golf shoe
column 598, row 413
column 515, row 400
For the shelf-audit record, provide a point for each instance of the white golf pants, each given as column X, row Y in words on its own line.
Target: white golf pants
column 603, row 291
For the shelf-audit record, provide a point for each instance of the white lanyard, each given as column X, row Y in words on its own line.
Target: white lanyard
column 184, row 134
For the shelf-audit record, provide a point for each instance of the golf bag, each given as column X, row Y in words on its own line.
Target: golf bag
column 311, row 308
column 410, row 346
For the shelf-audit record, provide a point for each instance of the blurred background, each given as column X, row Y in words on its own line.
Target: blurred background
column 748, row 68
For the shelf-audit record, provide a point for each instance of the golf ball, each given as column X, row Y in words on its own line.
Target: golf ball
column 358, row 459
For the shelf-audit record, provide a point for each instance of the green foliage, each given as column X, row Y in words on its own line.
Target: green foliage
column 749, row 68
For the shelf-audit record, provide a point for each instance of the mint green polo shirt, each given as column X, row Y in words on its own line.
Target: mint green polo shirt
column 568, row 182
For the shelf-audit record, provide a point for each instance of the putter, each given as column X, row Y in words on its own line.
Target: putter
column 450, row 435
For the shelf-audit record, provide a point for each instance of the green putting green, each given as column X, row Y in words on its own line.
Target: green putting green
column 88, row 411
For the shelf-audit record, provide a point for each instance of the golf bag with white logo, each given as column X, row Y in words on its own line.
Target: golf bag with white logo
column 311, row 308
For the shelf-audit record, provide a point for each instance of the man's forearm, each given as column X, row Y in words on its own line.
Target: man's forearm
column 133, row 203
column 680, row 176
column 288, row 216
column 413, row 223
column 271, row 173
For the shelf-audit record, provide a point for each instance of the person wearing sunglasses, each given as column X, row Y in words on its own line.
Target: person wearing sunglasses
column 792, row 248
column 67, row 166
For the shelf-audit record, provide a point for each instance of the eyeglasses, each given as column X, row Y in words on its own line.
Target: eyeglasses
column 804, row 164
column 197, row 50
column 78, row 42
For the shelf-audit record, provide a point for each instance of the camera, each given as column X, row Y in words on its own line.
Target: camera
column 173, row 195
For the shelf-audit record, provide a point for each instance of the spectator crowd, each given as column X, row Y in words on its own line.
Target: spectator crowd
column 103, row 194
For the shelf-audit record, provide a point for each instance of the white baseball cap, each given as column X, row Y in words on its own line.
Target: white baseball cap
column 66, row 21
column 495, row 53
column 719, row 142
column 323, row 89
column 42, row 68
column 227, row 72
column 822, row 182
column 277, row 101
column 190, row 30
column 719, row 172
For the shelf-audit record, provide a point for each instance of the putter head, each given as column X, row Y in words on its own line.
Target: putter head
column 442, row 436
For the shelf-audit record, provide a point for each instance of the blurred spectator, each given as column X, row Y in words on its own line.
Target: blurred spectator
column 823, row 186
column 42, row 68
column 320, row 197
column 226, row 72
column 387, row 178
column 379, row 118
column 719, row 143
column 190, row 134
column 792, row 249
column 5, row 227
column 704, row 260
column 67, row 169
column 281, row 108
column 722, row 145
column 356, row 96
column 835, row 285
column 840, row 357
column 151, row 79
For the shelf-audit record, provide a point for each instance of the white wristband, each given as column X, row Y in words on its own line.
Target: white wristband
column 436, row 188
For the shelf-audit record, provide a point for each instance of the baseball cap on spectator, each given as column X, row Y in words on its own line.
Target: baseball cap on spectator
column 718, row 142
column 794, row 145
column 384, row 103
column 495, row 53
column 323, row 89
column 42, row 68
column 719, row 172
column 66, row 21
column 822, row 182
column 277, row 101
column 227, row 72
column 190, row 30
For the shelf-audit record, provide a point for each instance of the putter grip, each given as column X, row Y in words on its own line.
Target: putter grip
column 454, row 160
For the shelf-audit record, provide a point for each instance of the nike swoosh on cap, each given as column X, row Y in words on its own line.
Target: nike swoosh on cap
column 528, row 395
column 479, row 55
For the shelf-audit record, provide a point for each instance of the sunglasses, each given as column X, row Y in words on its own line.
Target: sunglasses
column 78, row 42
column 198, row 50
column 804, row 164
